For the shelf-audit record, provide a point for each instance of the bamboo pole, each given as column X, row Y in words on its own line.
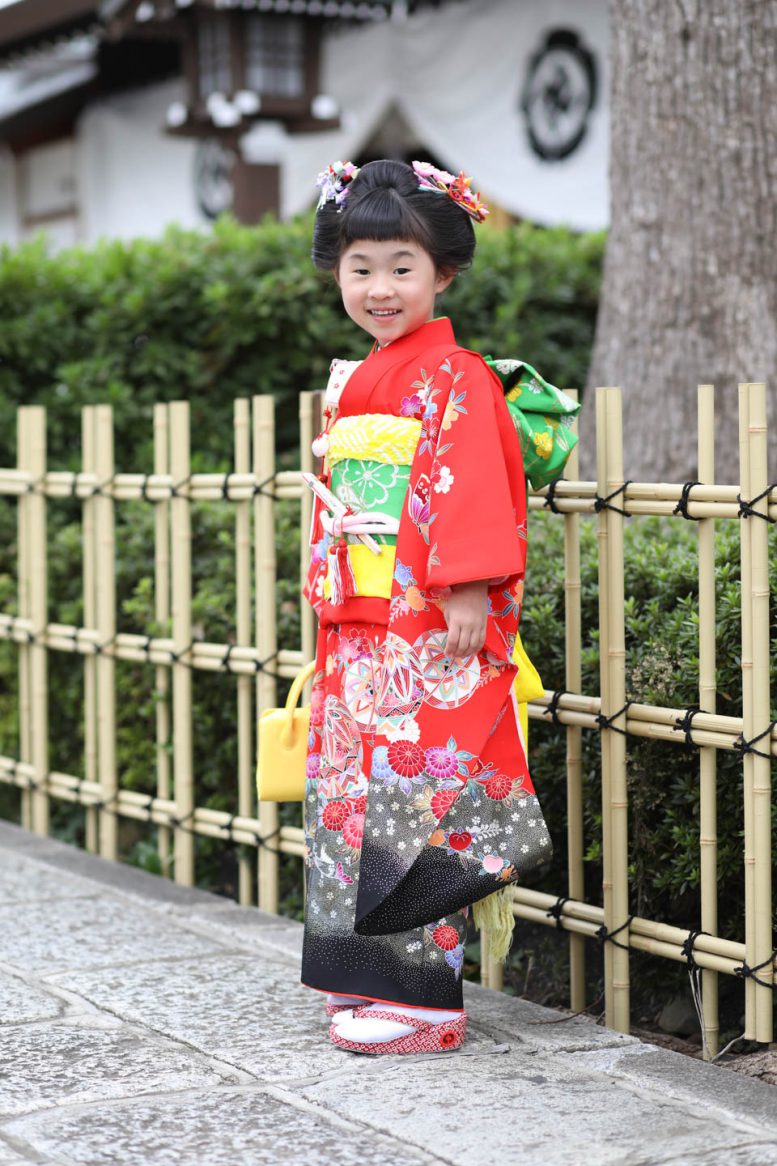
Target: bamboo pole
column 760, row 924
column 181, row 541
column 746, row 588
column 105, row 610
column 708, row 836
column 89, row 560
column 616, row 665
column 573, row 682
column 309, row 425
column 245, row 695
column 266, row 643
column 35, row 518
column 162, row 617
column 23, row 605
column 602, row 535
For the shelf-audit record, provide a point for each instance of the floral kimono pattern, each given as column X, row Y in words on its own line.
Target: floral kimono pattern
column 418, row 800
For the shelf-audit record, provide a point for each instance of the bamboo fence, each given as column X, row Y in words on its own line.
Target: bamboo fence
column 257, row 662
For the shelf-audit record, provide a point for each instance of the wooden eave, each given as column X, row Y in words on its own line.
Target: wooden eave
column 32, row 25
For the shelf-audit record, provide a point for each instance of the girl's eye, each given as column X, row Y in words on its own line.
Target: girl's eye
column 361, row 271
column 401, row 270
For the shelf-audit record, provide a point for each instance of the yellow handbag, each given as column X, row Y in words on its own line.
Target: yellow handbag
column 283, row 747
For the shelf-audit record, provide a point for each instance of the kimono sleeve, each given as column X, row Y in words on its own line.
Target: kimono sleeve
column 477, row 491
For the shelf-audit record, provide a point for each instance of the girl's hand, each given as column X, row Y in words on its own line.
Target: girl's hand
column 465, row 614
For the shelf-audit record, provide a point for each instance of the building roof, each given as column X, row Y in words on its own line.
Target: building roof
column 32, row 25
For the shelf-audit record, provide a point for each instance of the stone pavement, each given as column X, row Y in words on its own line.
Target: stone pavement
column 146, row 1024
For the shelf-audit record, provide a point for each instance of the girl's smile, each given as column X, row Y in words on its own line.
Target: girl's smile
column 389, row 286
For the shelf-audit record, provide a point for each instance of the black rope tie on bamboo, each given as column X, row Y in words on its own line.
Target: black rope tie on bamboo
column 225, row 488
column 103, row 805
column 175, row 489
column 178, row 657
column 259, row 488
column 261, row 666
column 178, row 823
column 682, row 506
column 743, row 746
column 144, row 489
column 555, row 911
column 550, row 497
column 685, row 725
column 149, row 808
column 745, row 972
column 147, row 648
column 98, row 491
column 608, row 722
column 746, row 509
column 551, row 709
column 100, row 648
column 35, row 484
column 606, row 503
column 687, row 947
column 263, row 840
column 226, row 657
column 605, row 936
column 228, row 829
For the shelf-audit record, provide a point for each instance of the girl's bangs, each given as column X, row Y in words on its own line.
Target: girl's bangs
column 382, row 215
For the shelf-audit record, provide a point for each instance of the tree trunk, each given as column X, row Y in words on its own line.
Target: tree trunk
column 690, row 280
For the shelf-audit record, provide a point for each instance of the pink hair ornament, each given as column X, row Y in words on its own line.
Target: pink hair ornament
column 458, row 187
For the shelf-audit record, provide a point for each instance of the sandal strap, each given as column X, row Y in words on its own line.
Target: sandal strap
column 397, row 1017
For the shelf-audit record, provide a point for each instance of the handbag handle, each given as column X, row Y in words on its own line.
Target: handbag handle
column 293, row 698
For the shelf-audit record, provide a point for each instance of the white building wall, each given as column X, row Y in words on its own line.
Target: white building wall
column 134, row 178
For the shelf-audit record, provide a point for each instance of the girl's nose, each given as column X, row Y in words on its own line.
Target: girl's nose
column 380, row 288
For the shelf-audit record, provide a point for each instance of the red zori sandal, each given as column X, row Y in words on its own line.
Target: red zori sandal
column 426, row 1037
column 334, row 1009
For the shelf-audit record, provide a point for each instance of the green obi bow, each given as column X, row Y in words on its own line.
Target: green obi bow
column 542, row 416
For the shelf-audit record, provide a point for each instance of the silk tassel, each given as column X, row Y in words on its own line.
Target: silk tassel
column 494, row 914
column 341, row 576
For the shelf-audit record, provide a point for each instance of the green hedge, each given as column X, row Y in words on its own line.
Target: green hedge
column 211, row 317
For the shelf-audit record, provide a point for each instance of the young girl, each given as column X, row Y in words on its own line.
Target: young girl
column 418, row 799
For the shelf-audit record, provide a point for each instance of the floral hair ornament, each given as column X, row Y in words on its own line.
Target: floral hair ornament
column 459, row 188
column 335, row 182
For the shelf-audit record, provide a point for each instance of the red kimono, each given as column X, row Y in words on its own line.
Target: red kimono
column 418, row 800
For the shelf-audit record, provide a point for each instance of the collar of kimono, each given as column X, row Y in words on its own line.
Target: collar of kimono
column 433, row 332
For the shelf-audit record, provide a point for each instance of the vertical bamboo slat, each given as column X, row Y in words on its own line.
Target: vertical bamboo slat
column 266, row 642
column 162, row 616
column 245, row 703
column 38, row 610
column 23, row 607
column 602, row 535
column 761, row 924
column 745, row 527
column 708, row 836
column 309, row 419
column 89, row 558
column 616, row 664
column 105, row 610
column 573, row 683
column 181, row 542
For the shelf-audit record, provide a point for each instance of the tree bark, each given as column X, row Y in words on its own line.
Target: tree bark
column 689, row 293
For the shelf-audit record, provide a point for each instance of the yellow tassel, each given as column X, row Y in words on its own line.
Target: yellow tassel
column 494, row 915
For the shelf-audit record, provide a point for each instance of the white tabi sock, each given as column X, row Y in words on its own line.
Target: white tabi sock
column 372, row 1032
column 350, row 1001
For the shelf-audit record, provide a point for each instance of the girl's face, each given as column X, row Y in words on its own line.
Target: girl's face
column 389, row 287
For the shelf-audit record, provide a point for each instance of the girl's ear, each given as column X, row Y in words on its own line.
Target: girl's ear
column 444, row 280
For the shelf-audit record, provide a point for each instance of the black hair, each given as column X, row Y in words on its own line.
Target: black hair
column 385, row 202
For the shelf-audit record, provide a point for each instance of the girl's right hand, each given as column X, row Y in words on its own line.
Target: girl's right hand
column 465, row 613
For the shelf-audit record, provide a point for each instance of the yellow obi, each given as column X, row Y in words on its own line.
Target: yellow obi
column 378, row 437
column 369, row 458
